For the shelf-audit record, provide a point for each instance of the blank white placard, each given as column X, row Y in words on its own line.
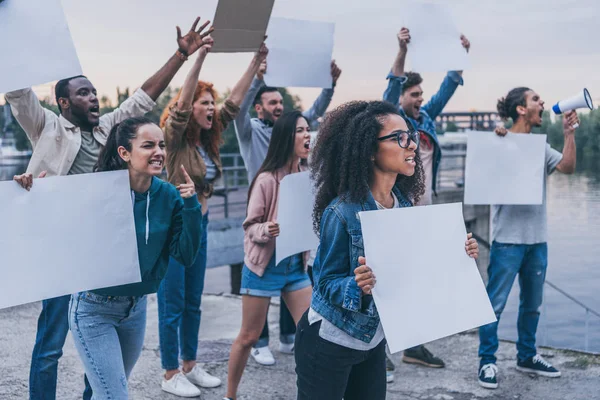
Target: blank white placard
column 434, row 38
column 504, row 170
column 68, row 234
column 35, row 44
column 300, row 53
column 294, row 215
column 240, row 25
column 427, row 287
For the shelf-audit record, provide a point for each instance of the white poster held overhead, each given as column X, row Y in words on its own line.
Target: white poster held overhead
column 434, row 38
column 300, row 53
column 412, row 248
column 68, row 234
column 240, row 26
column 294, row 215
column 35, row 44
column 504, row 170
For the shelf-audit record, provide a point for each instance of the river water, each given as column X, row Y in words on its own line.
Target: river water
column 574, row 262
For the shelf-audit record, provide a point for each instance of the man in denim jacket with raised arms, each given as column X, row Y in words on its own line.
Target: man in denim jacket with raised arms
column 404, row 89
column 70, row 144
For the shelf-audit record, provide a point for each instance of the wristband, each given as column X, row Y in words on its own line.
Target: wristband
column 181, row 54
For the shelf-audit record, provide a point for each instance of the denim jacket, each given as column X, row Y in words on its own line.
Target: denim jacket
column 336, row 295
column 429, row 112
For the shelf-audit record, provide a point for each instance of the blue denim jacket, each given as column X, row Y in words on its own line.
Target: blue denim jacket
column 336, row 296
column 429, row 112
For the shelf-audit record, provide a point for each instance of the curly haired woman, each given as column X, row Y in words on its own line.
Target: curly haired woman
column 366, row 158
column 193, row 129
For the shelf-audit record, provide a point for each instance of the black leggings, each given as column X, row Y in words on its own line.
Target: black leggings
column 327, row 371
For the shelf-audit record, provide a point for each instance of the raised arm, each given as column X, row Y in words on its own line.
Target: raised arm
column 242, row 123
column 569, row 160
column 29, row 113
column 191, row 80
column 240, row 89
column 188, row 44
column 396, row 78
column 322, row 102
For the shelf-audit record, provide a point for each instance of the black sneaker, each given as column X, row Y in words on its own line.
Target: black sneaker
column 537, row 365
column 420, row 355
column 487, row 376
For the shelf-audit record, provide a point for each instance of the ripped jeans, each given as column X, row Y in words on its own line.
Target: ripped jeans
column 108, row 332
column 506, row 262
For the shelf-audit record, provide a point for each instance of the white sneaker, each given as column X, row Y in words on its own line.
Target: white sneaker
column 180, row 386
column 263, row 355
column 198, row 376
column 286, row 348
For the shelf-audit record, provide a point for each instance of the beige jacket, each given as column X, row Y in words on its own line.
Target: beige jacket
column 55, row 140
column 259, row 245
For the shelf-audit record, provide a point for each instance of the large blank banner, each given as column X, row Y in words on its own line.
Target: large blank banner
column 504, row 170
column 434, row 38
column 413, row 248
column 300, row 53
column 35, row 44
column 294, row 215
column 240, row 25
column 66, row 235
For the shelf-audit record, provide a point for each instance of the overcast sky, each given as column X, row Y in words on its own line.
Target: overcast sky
column 552, row 46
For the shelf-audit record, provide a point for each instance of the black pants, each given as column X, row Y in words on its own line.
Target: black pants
column 327, row 371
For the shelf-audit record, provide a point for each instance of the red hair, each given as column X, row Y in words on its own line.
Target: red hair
column 210, row 139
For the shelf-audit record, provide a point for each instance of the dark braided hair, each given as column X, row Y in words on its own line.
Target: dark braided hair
column 507, row 106
column 341, row 163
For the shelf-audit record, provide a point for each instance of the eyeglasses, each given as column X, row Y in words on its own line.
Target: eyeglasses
column 404, row 138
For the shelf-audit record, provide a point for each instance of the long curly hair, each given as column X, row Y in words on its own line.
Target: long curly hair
column 341, row 163
column 210, row 139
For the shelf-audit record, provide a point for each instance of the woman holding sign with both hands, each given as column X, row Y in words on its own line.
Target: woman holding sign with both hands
column 366, row 158
column 261, row 278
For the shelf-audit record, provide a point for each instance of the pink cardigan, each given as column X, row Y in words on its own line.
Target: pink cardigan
column 259, row 245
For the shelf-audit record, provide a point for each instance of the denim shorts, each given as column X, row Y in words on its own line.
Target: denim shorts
column 287, row 276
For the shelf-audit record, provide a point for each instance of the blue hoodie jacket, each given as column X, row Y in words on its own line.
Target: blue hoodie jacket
column 165, row 225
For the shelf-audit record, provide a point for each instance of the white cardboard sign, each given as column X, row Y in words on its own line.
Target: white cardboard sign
column 35, row 44
column 504, row 170
column 423, row 247
column 68, row 234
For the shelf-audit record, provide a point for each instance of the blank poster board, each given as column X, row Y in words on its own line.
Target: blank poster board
column 68, row 234
column 240, row 25
column 504, row 170
column 35, row 44
column 300, row 53
column 435, row 40
column 423, row 247
column 294, row 215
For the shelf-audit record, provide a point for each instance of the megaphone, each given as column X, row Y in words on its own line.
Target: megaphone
column 580, row 100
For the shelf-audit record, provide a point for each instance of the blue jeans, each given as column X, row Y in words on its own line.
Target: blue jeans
column 179, row 299
column 506, row 261
column 108, row 333
column 52, row 329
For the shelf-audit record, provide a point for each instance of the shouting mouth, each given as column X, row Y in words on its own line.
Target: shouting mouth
column 307, row 145
column 157, row 162
column 95, row 111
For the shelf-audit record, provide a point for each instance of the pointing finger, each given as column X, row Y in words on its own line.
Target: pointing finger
column 188, row 180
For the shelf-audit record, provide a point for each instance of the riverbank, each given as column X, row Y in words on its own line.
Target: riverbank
column 220, row 323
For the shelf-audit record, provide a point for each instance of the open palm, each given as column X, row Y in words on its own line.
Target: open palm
column 193, row 40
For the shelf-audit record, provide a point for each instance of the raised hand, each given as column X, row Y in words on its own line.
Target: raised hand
column 263, row 51
column 501, row 131
column 570, row 122
column 465, row 42
column 26, row 180
column 193, row 40
column 262, row 70
column 404, row 39
column 364, row 276
column 273, row 229
column 187, row 189
column 207, row 46
column 471, row 246
column 335, row 71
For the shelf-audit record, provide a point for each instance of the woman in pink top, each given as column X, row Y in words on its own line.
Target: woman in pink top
column 261, row 278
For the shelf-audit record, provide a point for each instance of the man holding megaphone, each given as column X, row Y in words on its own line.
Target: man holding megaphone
column 519, row 245
column 580, row 100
